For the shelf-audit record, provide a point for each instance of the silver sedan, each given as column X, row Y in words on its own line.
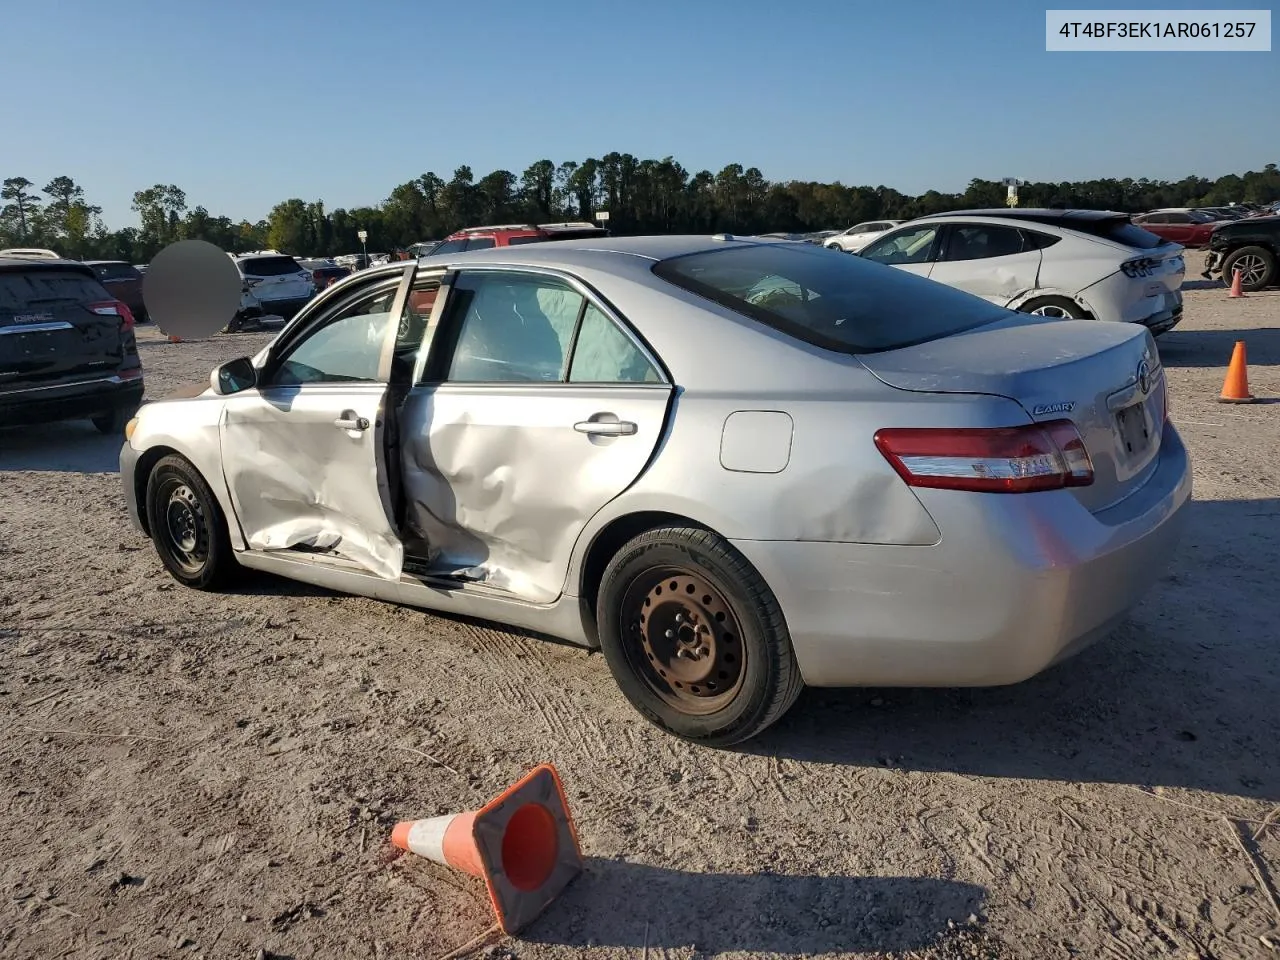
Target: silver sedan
column 736, row 466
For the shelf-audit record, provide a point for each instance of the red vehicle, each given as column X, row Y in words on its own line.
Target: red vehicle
column 509, row 235
column 1190, row 228
column 124, row 282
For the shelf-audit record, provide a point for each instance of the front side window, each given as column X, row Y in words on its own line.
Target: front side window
column 450, row 246
column 346, row 348
column 838, row 303
column 604, row 354
column 908, row 246
column 512, row 328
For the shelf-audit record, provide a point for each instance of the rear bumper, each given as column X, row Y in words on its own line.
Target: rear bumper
column 78, row 400
column 287, row 307
column 1016, row 584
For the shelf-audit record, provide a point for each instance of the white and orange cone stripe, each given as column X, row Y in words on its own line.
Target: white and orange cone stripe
column 447, row 840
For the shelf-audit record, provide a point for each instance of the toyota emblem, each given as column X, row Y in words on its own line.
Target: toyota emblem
column 1144, row 376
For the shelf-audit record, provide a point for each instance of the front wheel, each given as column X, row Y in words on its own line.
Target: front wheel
column 1060, row 308
column 695, row 638
column 187, row 525
column 1257, row 266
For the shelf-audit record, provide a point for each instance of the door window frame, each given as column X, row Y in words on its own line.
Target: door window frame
column 950, row 229
column 446, row 326
column 325, row 311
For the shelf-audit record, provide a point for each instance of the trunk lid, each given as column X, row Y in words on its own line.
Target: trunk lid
column 1106, row 378
column 48, row 330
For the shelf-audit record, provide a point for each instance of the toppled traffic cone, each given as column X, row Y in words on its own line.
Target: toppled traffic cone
column 522, row 844
column 1237, row 283
column 1235, row 389
column 173, row 338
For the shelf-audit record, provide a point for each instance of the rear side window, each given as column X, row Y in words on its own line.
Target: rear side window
column 20, row 290
column 269, row 266
column 575, row 234
column 515, row 241
column 845, row 304
column 481, row 243
column 115, row 271
column 1031, row 240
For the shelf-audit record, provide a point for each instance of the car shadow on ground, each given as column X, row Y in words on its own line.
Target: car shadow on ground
column 761, row 912
column 72, row 446
column 1183, row 695
column 1212, row 348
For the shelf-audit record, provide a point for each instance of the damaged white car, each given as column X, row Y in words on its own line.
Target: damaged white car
column 735, row 466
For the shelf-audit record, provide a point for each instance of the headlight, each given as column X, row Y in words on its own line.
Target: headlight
column 129, row 428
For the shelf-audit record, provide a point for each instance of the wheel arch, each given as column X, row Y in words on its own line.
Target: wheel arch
column 607, row 542
column 147, row 461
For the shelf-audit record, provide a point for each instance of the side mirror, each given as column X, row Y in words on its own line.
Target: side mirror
column 234, row 376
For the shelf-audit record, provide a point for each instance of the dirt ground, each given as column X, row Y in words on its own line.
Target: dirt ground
column 194, row 775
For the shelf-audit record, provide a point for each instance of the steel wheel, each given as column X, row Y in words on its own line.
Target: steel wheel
column 683, row 640
column 184, row 534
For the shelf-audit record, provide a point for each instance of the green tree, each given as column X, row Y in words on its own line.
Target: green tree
column 160, row 208
column 23, row 206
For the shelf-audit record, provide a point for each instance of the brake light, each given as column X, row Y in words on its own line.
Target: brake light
column 1140, row 267
column 1042, row 456
column 108, row 308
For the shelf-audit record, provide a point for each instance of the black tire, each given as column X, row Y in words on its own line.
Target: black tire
column 750, row 677
column 1259, row 266
column 187, row 526
column 1064, row 308
column 112, row 423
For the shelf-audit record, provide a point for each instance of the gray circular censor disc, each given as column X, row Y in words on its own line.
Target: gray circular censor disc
column 191, row 289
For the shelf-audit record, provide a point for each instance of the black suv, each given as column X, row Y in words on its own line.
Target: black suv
column 1252, row 246
column 67, row 347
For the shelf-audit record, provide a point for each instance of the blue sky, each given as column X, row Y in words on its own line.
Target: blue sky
column 243, row 104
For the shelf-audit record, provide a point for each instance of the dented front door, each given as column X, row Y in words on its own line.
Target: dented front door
column 304, row 452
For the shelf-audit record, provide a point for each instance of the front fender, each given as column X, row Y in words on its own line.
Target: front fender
column 191, row 428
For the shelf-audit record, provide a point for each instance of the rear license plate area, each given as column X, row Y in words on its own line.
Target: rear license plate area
column 1136, row 426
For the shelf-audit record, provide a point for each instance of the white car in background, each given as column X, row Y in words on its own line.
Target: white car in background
column 859, row 235
column 1070, row 264
column 276, row 281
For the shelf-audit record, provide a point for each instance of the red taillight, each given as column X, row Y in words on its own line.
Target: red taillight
column 1042, row 456
column 108, row 308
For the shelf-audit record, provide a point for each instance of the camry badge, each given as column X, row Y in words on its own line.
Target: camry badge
column 1062, row 406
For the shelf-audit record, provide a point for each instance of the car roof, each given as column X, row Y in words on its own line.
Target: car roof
column 101, row 263
column 1062, row 218
column 43, row 263
column 590, row 250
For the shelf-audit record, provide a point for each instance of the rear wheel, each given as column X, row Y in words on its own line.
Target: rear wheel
column 187, row 525
column 1257, row 266
column 695, row 638
column 1061, row 308
column 113, row 423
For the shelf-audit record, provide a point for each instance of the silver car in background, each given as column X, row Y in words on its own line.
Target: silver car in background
column 737, row 467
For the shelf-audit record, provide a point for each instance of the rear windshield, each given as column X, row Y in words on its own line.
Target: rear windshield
column 115, row 271
column 21, row 289
column 837, row 302
column 1117, row 231
column 269, row 266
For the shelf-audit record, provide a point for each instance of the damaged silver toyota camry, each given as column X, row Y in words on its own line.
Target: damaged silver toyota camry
column 738, row 467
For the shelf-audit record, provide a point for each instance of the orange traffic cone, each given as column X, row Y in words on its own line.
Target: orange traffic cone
column 522, row 844
column 1237, row 284
column 1235, row 389
column 174, row 338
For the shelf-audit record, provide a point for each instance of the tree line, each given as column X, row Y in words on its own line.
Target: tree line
column 641, row 197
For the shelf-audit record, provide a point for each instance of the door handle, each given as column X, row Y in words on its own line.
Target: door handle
column 606, row 428
column 351, row 423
